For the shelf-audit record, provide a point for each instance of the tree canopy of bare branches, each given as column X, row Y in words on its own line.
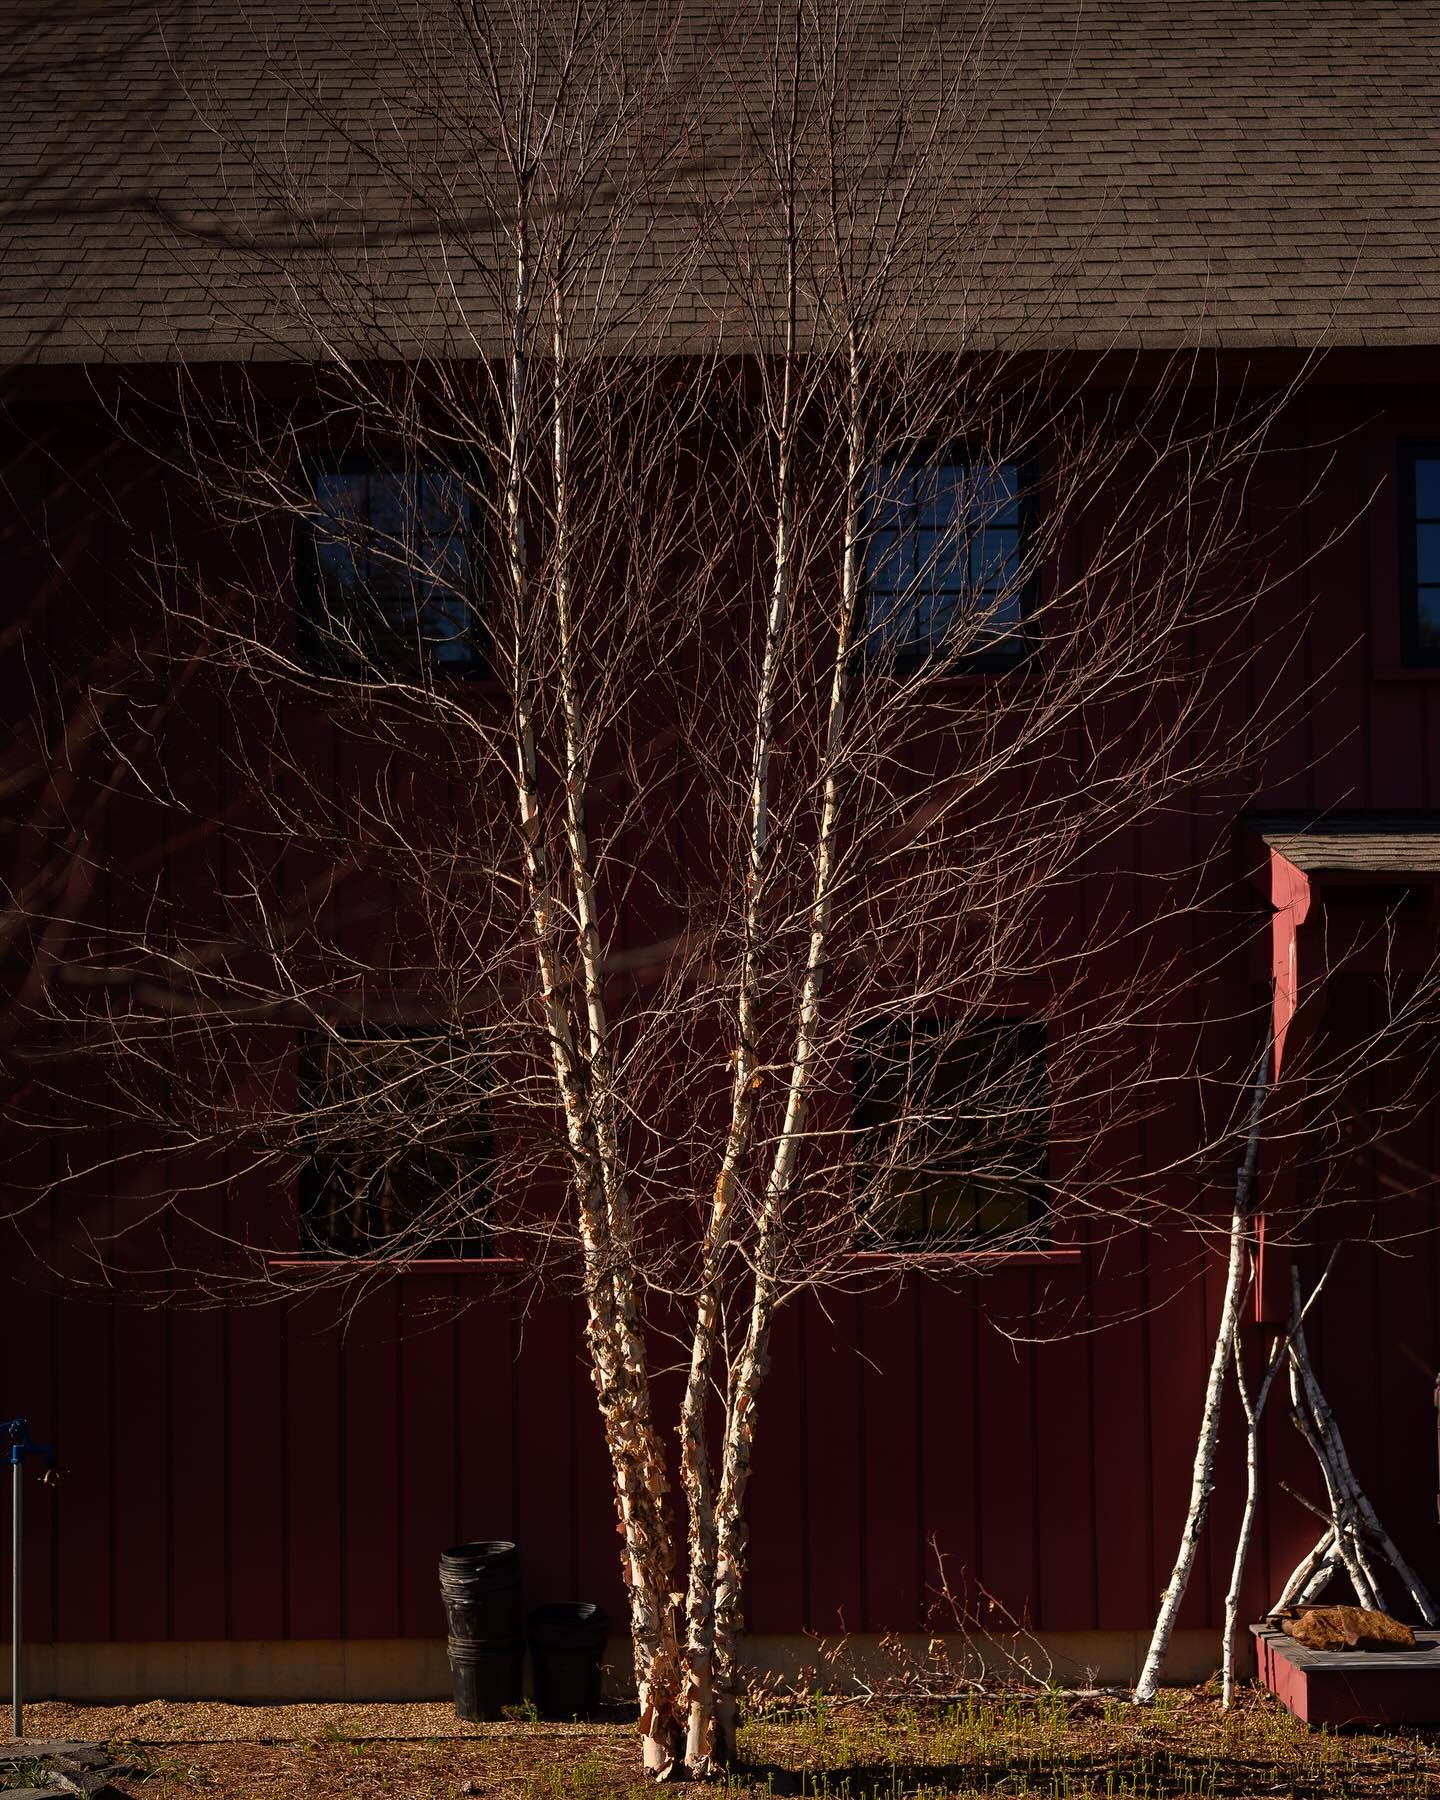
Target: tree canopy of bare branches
column 676, row 655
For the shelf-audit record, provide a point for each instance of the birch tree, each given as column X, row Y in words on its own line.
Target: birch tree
column 825, row 634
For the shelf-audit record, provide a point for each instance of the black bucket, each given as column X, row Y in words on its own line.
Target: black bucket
column 485, row 1677
column 566, row 1645
column 480, row 1585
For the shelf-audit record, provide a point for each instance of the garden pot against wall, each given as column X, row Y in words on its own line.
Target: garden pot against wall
column 567, row 1643
column 480, row 1585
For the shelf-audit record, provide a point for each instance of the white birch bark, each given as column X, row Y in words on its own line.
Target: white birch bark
column 1335, row 1463
column 622, row 1374
column 1319, row 1578
column 1254, row 1413
column 1203, row 1474
column 753, row 1362
column 700, row 1746
column 1302, row 1578
column 701, row 1749
column 616, row 1349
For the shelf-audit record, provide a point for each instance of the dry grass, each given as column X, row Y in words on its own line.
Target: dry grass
column 1046, row 1745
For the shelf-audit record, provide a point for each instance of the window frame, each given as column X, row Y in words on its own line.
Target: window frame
column 314, row 651
column 1409, row 452
column 958, row 665
column 309, row 1187
column 1037, row 1229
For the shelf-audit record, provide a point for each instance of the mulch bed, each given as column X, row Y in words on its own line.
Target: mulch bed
column 1010, row 1745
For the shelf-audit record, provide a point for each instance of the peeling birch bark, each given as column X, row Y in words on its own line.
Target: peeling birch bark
column 753, row 1363
column 637, row 1458
column 612, row 1331
column 705, row 1746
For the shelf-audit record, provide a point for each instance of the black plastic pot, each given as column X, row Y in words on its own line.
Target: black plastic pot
column 484, row 1677
column 480, row 1585
column 567, row 1643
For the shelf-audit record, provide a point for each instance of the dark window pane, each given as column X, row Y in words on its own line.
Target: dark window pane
column 398, row 1146
column 392, row 572
column 996, row 494
column 943, row 560
column 1427, row 618
column 952, row 1128
column 1427, row 553
column 1427, row 487
column 996, row 558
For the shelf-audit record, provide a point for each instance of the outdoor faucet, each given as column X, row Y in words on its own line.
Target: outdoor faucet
column 21, row 1446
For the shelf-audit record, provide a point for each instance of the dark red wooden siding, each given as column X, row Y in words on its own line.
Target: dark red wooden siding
column 258, row 1473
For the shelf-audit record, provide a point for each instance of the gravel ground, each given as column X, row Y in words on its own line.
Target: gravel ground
column 211, row 1750
column 219, row 1722
column 1034, row 1746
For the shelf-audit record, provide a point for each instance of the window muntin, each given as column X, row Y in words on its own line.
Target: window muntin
column 389, row 572
column 952, row 1130
column 398, row 1144
column 1419, row 480
column 943, row 553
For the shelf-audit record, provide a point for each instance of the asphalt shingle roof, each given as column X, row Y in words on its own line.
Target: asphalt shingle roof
column 1230, row 172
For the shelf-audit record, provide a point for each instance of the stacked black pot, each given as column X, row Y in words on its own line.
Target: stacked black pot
column 567, row 1644
column 480, row 1585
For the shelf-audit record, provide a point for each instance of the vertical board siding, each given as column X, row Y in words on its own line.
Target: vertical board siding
column 779, row 1495
column 889, row 1462
column 834, row 1528
column 293, row 1469
column 950, row 1466
column 356, row 1455
column 80, row 1427
column 1064, row 1451
column 372, row 1550
column 315, row 1466
column 545, row 1452
column 1119, row 1398
column 258, row 1429
column 1006, row 1455
column 485, row 1339
column 428, row 1448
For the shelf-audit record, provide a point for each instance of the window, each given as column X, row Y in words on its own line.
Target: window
column 943, row 563
column 1420, row 554
column 387, row 572
column 399, row 1145
column 951, row 1132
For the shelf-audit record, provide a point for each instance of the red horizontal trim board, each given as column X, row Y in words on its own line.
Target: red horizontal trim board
column 1009, row 1259
column 420, row 1265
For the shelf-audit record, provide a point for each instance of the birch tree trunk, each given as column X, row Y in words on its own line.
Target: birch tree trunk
column 753, row 1363
column 1254, row 1412
column 619, row 1354
column 701, row 1749
column 612, row 1329
column 1202, row 1479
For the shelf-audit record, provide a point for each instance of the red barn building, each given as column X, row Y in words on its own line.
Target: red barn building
column 258, row 1492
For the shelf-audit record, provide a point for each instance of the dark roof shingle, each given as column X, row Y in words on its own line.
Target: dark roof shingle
column 1232, row 173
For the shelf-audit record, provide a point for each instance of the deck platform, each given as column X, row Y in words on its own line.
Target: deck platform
column 1352, row 1687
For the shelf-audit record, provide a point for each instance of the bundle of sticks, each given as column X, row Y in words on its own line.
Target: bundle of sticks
column 1353, row 1540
